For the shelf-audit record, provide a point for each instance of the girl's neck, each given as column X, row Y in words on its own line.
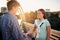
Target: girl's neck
column 41, row 18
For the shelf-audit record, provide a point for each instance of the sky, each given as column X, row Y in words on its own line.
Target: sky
column 32, row 5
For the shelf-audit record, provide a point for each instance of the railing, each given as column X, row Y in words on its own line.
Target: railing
column 55, row 35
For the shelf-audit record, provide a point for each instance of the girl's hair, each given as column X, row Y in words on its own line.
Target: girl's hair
column 43, row 11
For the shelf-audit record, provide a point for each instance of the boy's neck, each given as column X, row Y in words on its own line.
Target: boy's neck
column 11, row 12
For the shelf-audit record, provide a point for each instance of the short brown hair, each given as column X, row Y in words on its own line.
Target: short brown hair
column 43, row 11
column 11, row 4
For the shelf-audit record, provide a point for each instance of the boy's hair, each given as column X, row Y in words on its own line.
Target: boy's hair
column 11, row 4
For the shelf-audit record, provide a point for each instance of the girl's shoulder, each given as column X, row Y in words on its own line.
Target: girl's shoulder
column 36, row 20
column 46, row 20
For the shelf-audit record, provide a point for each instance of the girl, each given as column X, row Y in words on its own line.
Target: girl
column 42, row 26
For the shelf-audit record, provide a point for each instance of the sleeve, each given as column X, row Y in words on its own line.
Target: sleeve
column 16, row 31
column 47, row 23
